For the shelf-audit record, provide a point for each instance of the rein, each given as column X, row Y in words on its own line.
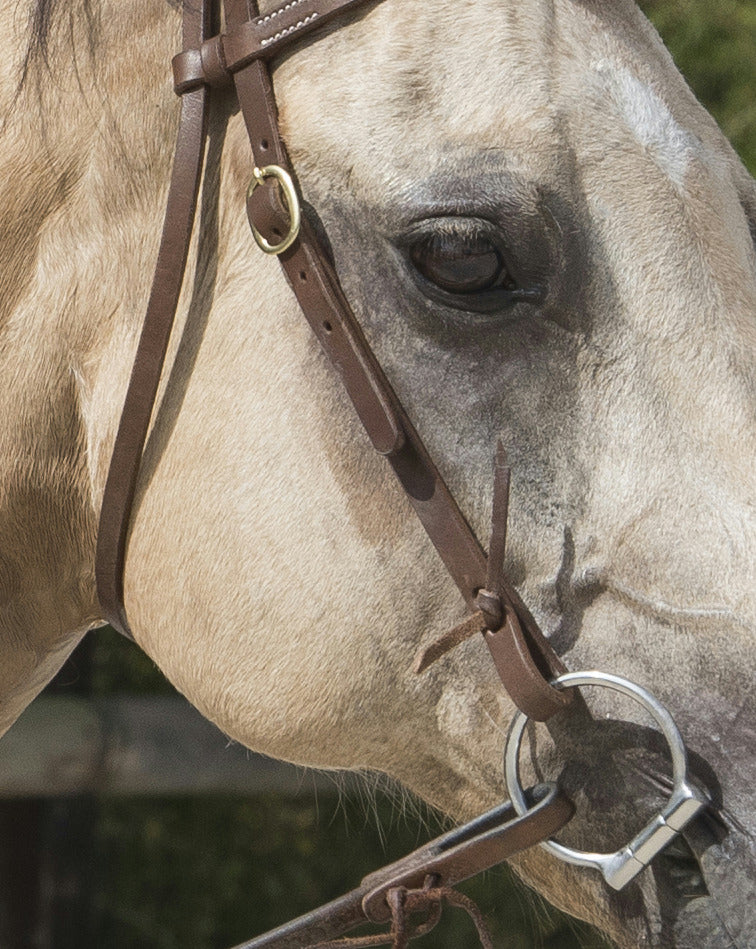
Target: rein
column 530, row 671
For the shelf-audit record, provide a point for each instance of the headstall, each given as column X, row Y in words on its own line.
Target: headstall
column 530, row 671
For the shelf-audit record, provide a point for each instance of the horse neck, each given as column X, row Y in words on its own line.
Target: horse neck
column 85, row 156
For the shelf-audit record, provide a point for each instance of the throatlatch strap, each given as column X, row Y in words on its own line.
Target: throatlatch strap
column 120, row 487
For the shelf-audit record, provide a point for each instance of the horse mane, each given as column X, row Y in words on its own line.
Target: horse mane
column 41, row 18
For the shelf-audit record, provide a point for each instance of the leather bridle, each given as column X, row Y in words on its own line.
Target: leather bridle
column 528, row 667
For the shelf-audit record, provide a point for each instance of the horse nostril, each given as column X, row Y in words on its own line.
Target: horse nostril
column 681, row 869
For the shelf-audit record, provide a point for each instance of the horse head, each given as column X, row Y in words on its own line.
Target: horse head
column 547, row 242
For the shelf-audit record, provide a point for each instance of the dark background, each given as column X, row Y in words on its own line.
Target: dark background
column 207, row 871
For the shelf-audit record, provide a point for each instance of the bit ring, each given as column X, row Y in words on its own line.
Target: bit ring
column 685, row 802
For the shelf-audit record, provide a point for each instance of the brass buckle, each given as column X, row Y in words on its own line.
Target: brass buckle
column 291, row 201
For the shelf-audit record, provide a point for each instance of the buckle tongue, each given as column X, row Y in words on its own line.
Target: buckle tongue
column 291, row 199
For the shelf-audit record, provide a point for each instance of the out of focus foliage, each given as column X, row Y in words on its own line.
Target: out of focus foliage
column 713, row 43
column 206, row 873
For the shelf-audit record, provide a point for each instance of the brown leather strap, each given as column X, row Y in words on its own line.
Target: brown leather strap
column 121, row 483
column 525, row 658
column 263, row 37
column 521, row 653
column 314, row 281
column 462, row 853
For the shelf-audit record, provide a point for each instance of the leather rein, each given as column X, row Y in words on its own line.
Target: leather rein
column 529, row 669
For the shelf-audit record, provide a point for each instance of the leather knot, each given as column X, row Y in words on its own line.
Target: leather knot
column 491, row 607
column 404, row 903
column 203, row 66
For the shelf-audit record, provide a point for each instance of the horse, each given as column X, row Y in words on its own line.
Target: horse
column 547, row 241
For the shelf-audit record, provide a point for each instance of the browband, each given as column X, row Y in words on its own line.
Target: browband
column 522, row 655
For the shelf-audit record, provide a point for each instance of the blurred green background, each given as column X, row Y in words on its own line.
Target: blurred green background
column 210, row 871
column 714, row 45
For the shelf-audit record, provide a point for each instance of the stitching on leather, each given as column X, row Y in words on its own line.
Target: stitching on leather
column 289, row 29
column 288, row 6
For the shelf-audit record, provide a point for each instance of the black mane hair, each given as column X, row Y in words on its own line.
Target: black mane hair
column 42, row 17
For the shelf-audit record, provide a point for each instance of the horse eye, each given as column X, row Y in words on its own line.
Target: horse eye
column 461, row 263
